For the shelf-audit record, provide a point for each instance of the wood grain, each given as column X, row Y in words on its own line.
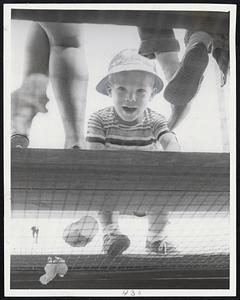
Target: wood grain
column 76, row 180
column 213, row 22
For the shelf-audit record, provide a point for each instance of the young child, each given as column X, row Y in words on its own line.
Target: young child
column 131, row 82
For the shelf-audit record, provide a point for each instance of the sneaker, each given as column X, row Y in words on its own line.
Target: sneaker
column 161, row 246
column 115, row 243
column 186, row 81
column 76, row 147
column 19, row 141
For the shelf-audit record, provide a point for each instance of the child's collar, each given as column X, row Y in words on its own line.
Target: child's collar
column 131, row 123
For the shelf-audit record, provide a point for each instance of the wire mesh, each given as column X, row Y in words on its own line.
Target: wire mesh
column 51, row 193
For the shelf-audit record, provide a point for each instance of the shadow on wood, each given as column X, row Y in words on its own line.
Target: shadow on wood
column 212, row 22
column 81, row 180
column 96, row 272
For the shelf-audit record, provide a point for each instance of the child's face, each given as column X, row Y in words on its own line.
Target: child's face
column 131, row 91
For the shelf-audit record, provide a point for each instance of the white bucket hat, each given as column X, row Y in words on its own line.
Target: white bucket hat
column 129, row 60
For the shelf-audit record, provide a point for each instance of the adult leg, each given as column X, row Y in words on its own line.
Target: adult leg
column 31, row 97
column 178, row 113
column 186, row 81
column 183, row 78
column 69, row 76
column 162, row 45
column 169, row 62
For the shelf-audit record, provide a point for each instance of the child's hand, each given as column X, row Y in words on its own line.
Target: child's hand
column 169, row 142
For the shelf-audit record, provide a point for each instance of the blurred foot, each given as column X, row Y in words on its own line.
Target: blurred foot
column 186, row 81
column 26, row 102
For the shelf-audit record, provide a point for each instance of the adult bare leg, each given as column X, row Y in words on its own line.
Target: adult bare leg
column 31, row 97
column 69, row 77
column 169, row 63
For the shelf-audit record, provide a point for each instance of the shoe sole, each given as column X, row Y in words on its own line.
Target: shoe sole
column 19, row 141
column 184, row 85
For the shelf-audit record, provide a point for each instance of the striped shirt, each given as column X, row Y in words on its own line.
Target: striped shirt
column 105, row 127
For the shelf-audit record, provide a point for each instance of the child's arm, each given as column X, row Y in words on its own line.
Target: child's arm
column 95, row 133
column 169, row 142
column 166, row 138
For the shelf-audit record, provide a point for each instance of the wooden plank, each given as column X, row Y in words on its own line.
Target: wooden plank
column 73, row 158
column 129, row 287
column 99, row 263
column 70, row 180
column 214, row 22
column 125, row 272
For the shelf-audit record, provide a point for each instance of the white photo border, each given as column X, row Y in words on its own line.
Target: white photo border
column 231, row 8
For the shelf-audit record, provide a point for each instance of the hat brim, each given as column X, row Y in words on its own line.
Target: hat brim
column 103, row 85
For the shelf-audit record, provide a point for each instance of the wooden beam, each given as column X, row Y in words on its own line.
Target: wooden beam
column 125, row 272
column 213, row 22
column 126, row 262
column 81, row 180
